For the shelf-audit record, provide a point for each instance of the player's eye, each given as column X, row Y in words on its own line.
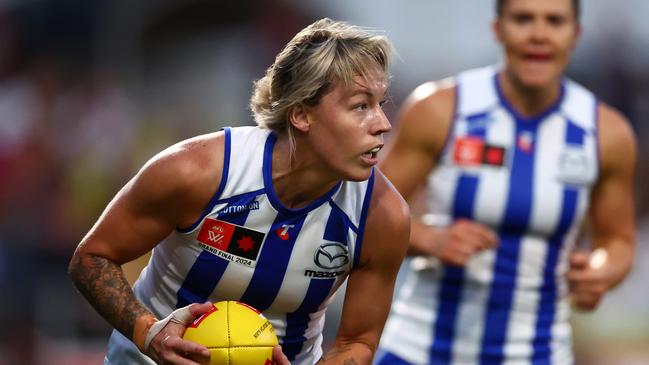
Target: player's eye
column 360, row 107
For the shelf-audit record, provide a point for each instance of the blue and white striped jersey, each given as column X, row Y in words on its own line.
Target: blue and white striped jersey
column 529, row 179
column 249, row 247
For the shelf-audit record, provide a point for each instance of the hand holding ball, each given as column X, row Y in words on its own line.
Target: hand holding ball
column 235, row 334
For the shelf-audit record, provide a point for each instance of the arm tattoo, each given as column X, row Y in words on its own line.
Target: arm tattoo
column 335, row 352
column 103, row 284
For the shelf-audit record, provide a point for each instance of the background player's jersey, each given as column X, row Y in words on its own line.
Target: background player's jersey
column 529, row 179
column 249, row 247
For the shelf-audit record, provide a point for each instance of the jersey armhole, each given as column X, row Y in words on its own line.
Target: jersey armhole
column 363, row 219
column 219, row 191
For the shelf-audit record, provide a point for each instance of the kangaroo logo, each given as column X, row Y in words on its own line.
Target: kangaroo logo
column 331, row 255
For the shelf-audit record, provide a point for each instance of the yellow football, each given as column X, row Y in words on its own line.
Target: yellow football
column 235, row 333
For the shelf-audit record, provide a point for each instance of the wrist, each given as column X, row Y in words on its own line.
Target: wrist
column 141, row 329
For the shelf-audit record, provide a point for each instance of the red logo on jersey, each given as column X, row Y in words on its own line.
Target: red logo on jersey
column 216, row 233
column 494, row 156
column 473, row 151
column 220, row 237
column 283, row 232
column 525, row 141
column 246, row 243
column 468, row 151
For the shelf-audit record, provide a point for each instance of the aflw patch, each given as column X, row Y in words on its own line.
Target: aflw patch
column 231, row 242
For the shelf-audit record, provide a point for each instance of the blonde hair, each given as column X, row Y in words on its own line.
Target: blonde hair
column 323, row 53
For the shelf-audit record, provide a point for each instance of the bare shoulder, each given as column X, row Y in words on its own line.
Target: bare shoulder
column 428, row 111
column 185, row 175
column 388, row 203
column 388, row 223
column 616, row 138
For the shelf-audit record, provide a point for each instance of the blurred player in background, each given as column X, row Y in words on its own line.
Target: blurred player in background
column 276, row 216
column 514, row 157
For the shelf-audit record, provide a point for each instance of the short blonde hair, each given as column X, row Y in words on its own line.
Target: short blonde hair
column 323, row 53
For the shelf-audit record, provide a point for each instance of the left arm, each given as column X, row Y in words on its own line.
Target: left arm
column 611, row 214
column 370, row 286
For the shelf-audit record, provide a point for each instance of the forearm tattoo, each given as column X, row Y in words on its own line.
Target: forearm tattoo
column 335, row 352
column 103, row 284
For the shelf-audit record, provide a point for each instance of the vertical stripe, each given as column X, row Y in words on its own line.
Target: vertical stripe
column 297, row 322
column 515, row 224
column 449, row 295
column 208, row 268
column 272, row 263
column 363, row 219
column 549, row 289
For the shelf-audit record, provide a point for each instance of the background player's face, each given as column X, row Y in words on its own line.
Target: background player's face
column 347, row 126
column 538, row 37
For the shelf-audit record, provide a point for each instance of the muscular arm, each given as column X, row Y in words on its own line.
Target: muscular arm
column 370, row 286
column 170, row 190
column 611, row 214
column 422, row 130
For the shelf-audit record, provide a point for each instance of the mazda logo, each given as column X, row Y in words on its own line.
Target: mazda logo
column 331, row 255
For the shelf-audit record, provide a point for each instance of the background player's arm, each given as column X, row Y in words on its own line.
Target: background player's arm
column 611, row 214
column 371, row 284
column 170, row 190
column 422, row 130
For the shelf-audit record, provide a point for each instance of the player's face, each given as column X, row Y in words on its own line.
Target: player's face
column 347, row 127
column 538, row 37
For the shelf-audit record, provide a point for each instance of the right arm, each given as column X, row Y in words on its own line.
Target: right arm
column 171, row 190
column 422, row 129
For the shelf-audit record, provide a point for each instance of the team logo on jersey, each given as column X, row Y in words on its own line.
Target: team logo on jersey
column 525, row 141
column 237, row 208
column 473, row 151
column 575, row 167
column 332, row 257
column 282, row 232
column 231, row 242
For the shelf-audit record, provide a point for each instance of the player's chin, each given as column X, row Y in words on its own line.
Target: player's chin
column 359, row 173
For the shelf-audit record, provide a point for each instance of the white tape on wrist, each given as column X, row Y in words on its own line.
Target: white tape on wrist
column 181, row 316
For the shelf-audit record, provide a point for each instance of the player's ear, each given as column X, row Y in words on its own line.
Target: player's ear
column 577, row 35
column 298, row 116
column 496, row 28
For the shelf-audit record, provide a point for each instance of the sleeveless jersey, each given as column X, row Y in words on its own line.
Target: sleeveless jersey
column 249, row 247
column 529, row 179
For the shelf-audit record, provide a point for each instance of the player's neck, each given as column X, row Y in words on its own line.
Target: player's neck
column 528, row 101
column 296, row 179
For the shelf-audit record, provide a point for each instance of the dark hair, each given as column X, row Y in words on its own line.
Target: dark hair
column 575, row 5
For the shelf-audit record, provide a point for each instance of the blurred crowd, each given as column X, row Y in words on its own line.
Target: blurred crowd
column 91, row 90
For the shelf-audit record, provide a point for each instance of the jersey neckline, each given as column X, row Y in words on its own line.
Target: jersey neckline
column 533, row 119
column 270, row 188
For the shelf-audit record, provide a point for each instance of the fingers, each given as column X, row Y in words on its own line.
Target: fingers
column 193, row 351
column 586, row 299
column 278, row 356
column 478, row 235
column 174, row 350
column 463, row 239
column 578, row 260
column 587, row 282
column 198, row 309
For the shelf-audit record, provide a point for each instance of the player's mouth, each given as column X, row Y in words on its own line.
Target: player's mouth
column 371, row 156
column 538, row 56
